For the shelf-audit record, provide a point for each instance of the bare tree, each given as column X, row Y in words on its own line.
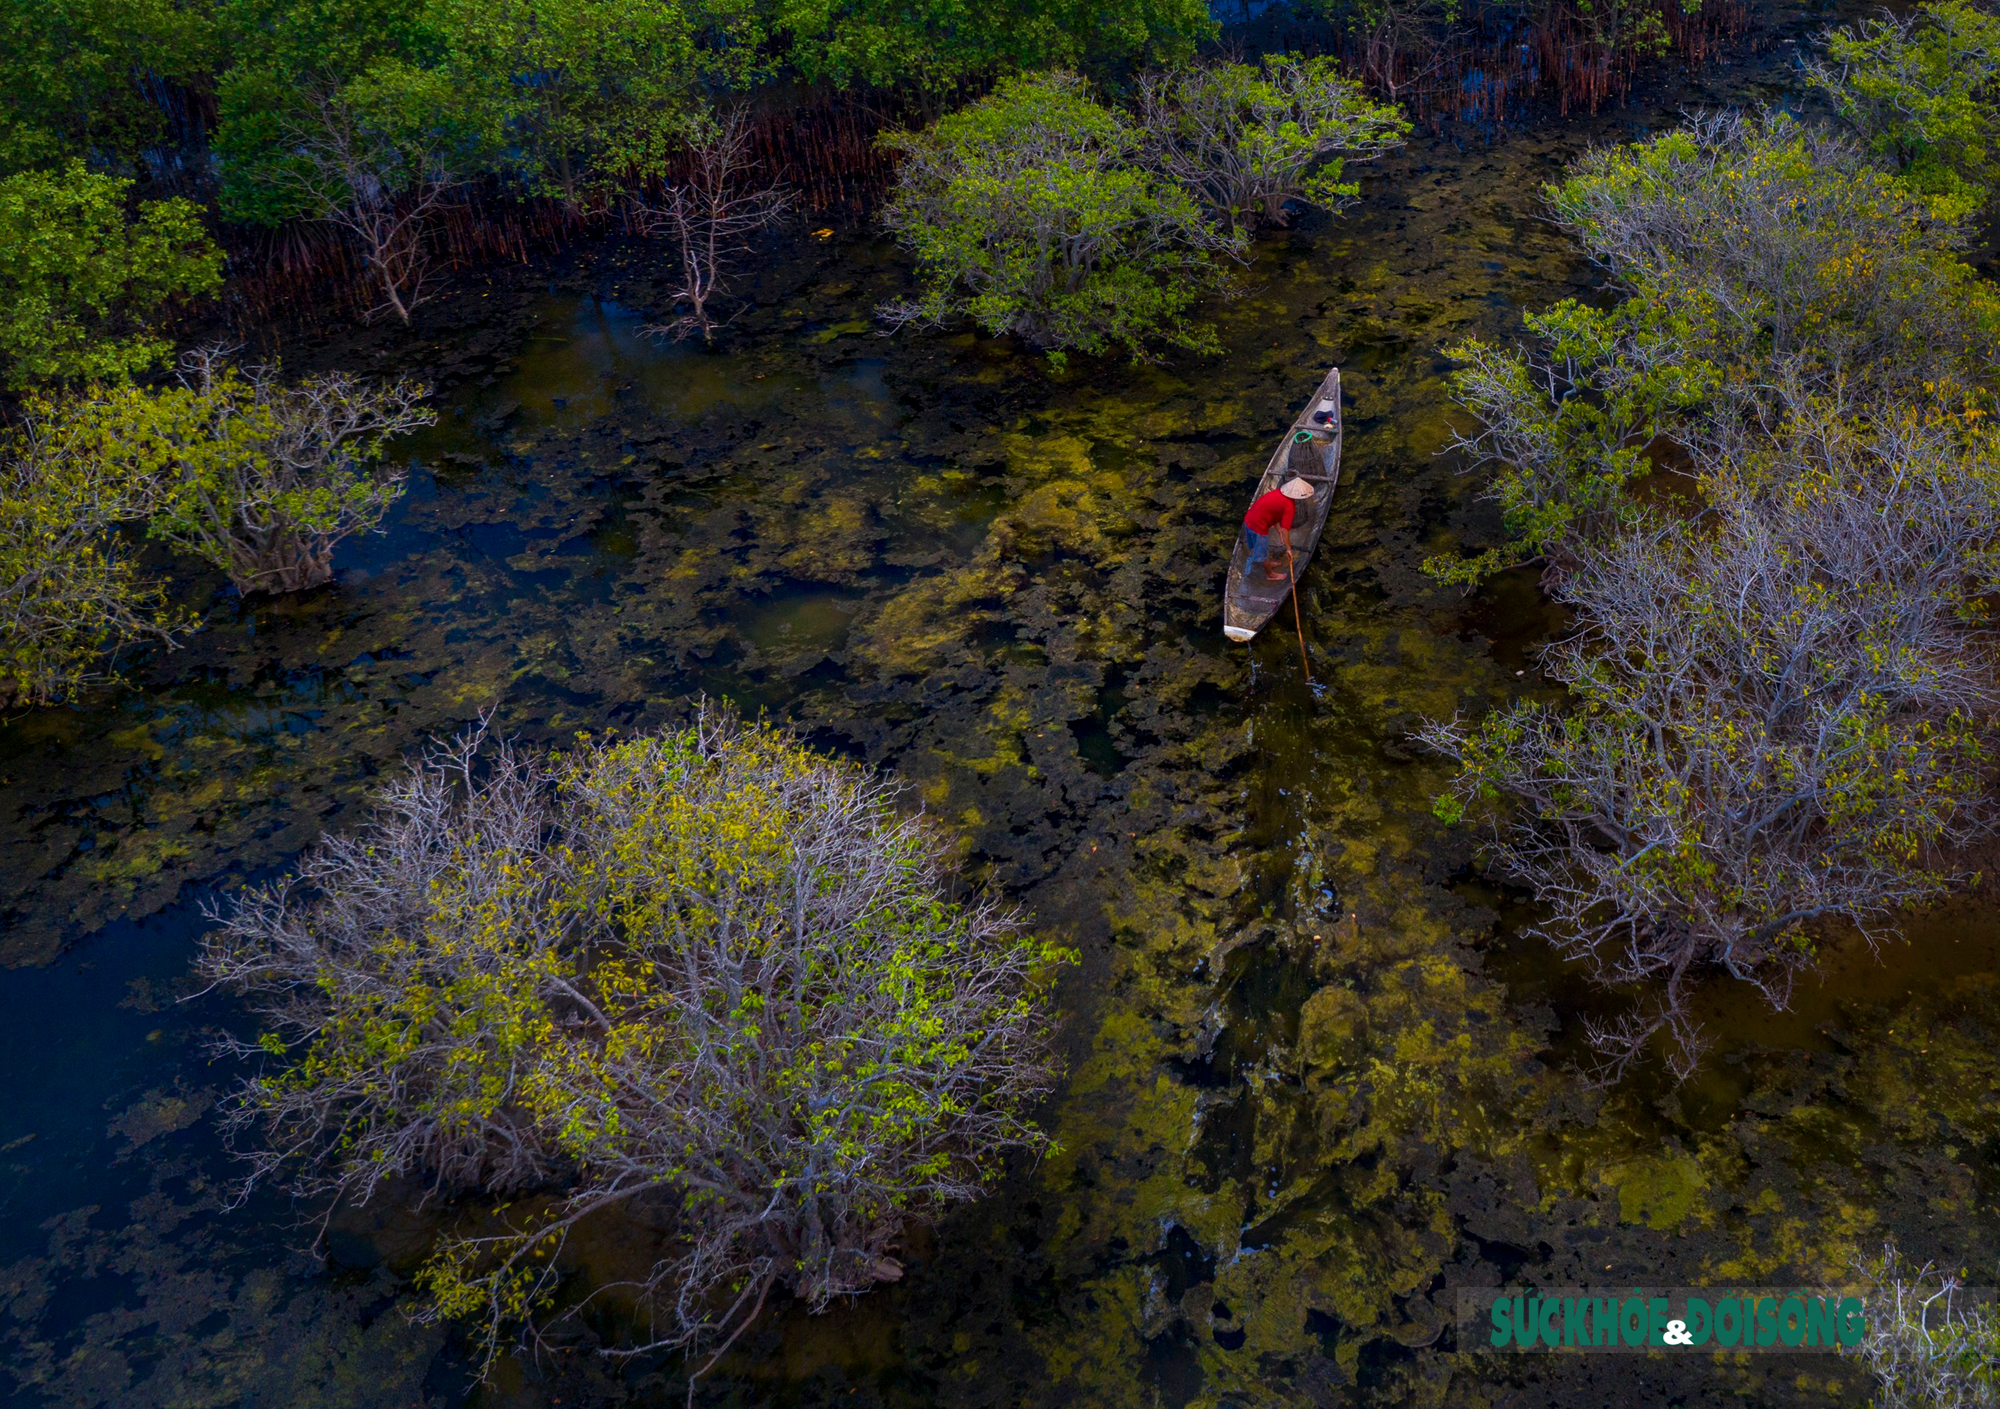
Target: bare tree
column 1406, row 43
column 439, row 895
column 704, row 980
column 382, row 189
column 1248, row 141
column 272, row 477
column 1781, row 699
column 711, row 213
column 1781, row 717
column 1929, row 1343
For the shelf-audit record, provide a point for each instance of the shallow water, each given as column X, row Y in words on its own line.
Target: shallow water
column 1316, row 1081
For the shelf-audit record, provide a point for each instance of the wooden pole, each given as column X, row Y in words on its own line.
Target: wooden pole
column 1292, row 571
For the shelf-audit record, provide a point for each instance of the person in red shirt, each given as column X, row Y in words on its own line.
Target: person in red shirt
column 1271, row 513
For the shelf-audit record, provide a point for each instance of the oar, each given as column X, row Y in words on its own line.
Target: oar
column 1292, row 571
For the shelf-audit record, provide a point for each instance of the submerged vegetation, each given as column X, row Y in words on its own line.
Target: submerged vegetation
column 702, row 982
column 1034, row 211
column 1781, row 681
column 705, row 980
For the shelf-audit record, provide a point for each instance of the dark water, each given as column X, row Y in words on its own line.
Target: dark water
column 1316, row 1081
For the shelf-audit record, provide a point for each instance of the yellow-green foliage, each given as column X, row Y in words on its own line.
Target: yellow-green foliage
column 269, row 478
column 260, row 479
column 83, row 279
column 73, row 473
column 1248, row 140
column 1777, row 717
column 1920, row 90
column 706, row 969
column 1762, row 254
column 1781, row 700
column 1754, row 240
column 1030, row 212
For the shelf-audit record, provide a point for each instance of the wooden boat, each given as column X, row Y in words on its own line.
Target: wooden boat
column 1310, row 449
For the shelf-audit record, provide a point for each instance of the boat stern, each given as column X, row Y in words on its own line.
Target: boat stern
column 1238, row 633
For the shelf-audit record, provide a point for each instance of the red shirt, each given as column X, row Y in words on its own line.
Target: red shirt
column 1273, row 508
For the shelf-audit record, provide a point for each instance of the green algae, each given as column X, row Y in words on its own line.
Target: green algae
column 1661, row 1192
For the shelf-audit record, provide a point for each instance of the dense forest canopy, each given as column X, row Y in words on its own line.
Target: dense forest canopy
column 116, row 80
column 331, row 144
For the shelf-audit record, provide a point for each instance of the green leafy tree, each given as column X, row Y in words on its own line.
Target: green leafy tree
column 940, row 45
column 83, row 280
column 346, row 112
column 73, row 473
column 297, row 41
column 285, row 55
column 1249, row 140
column 1762, row 239
column 1030, row 213
column 1780, row 675
column 1757, row 252
column 268, row 478
column 1568, row 427
column 1923, row 92
column 73, row 76
column 703, row 981
column 363, row 112
column 586, row 90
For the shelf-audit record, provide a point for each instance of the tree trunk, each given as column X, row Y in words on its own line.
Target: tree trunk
column 283, row 563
